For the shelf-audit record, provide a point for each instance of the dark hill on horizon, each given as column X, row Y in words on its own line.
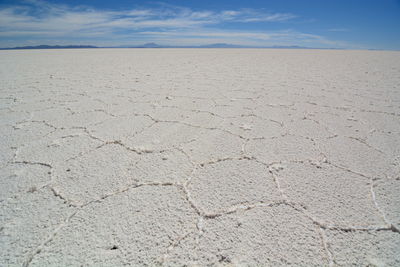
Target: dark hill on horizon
column 49, row 47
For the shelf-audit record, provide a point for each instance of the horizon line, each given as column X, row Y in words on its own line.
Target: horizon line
column 205, row 46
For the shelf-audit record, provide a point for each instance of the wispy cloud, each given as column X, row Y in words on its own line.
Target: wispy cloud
column 339, row 30
column 40, row 20
column 40, row 15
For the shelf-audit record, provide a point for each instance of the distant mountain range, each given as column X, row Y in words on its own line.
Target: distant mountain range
column 154, row 45
column 218, row 45
column 49, row 47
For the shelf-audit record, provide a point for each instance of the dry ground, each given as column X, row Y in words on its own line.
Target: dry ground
column 114, row 157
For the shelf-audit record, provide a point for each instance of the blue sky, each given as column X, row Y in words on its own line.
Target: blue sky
column 352, row 24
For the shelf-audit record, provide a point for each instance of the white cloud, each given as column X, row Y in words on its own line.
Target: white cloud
column 63, row 18
column 339, row 30
column 273, row 17
column 40, row 20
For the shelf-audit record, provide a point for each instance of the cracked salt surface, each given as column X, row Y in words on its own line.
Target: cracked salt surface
column 207, row 157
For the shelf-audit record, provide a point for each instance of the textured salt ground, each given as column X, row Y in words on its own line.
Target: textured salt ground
column 199, row 157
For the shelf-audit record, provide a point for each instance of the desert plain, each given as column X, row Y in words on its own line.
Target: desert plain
column 198, row 157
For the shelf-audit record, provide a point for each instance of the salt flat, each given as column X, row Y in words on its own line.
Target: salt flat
column 174, row 157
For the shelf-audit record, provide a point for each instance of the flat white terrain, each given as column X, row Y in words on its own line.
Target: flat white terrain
column 174, row 157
